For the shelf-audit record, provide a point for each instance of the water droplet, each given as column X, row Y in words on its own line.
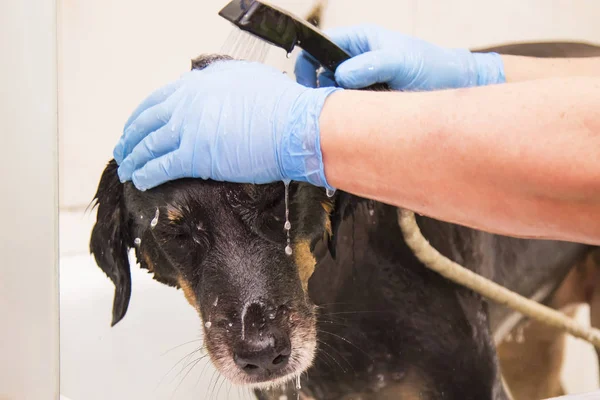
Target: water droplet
column 371, row 212
column 137, row 241
column 154, row 221
column 288, row 225
column 287, row 55
column 330, row 192
column 230, row 324
column 141, row 217
column 397, row 376
column 298, row 386
column 271, row 315
column 216, row 302
column 208, row 324
column 520, row 336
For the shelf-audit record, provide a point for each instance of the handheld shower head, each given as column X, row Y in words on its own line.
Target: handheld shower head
column 285, row 30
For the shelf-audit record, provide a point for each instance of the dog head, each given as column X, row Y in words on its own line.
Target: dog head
column 224, row 245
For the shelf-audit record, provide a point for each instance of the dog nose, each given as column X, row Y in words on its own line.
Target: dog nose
column 264, row 345
column 267, row 354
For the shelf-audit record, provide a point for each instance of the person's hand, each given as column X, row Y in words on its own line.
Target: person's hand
column 232, row 121
column 402, row 62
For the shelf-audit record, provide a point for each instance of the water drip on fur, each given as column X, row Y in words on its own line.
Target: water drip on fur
column 154, row 221
column 330, row 192
column 520, row 334
column 288, row 225
column 208, row 324
column 371, row 207
column 137, row 241
column 244, row 311
column 298, row 387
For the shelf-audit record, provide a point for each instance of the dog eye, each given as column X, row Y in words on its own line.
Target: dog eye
column 270, row 220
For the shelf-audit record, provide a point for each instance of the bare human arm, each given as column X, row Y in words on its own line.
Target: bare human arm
column 520, row 159
column 519, row 69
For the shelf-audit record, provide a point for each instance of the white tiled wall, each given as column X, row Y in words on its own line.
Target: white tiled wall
column 114, row 52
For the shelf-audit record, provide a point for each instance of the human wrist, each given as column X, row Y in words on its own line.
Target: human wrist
column 490, row 68
column 300, row 153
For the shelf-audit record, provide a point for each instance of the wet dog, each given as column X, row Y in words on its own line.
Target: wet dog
column 351, row 310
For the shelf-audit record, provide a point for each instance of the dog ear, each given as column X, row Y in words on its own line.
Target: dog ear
column 343, row 206
column 110, row 239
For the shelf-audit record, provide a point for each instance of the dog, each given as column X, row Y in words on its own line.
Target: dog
column 350, row 314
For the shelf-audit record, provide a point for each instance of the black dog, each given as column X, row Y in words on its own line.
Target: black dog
column 351, row 307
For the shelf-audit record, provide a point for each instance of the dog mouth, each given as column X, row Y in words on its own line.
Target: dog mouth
column 267, row 355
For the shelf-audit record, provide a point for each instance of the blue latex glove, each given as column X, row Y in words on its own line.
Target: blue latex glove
column 233, row 121
column 403, row 62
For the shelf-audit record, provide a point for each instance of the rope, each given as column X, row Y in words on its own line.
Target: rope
column 459, row 274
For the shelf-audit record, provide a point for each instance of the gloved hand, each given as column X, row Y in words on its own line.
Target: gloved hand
column 232, row 121
column 403, row 62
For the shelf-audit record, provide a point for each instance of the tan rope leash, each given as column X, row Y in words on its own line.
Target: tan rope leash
column 459, row 274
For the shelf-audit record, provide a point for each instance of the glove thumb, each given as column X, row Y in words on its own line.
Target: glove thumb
column 367, row 69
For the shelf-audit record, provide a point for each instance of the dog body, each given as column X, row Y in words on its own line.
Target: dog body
column 351, row 308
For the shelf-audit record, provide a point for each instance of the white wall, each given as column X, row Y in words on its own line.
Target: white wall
column 28, row 238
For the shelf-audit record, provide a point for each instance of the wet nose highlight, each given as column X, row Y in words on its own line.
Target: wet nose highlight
column 264, row 346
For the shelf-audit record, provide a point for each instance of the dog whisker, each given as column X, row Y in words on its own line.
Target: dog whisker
column 181, row 345
column 336, row 351
column 210, row 384
column 194, row 363
column 326, row 361
column 356, row 312
column 221, row 386
column 345, row 340
column 186, row 358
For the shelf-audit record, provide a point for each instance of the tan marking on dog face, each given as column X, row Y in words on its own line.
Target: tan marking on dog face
column 305, row 262
column 148, row 261
column 174, row 213
column 188, row 292
column 412, row 387
column 328, row 207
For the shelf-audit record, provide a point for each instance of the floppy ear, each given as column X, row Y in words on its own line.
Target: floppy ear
column 343, row 206
column 110, row 240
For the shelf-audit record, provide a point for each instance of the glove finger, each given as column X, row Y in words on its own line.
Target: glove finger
column 148, row 121
column 367, row 69
column 158, row 171
column 305, row 70
column 353, row 39
column 156, row 97
column 156, row 144
column 326, row 79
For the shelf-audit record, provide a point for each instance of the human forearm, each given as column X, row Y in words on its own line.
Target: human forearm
column 518, row 69
column 518, row 159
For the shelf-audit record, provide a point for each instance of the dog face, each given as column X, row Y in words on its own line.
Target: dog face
column 224, row 245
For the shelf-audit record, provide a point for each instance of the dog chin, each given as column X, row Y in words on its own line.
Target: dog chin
column 304, row 347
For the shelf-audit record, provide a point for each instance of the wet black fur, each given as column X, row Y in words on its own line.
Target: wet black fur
column 383, row 317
